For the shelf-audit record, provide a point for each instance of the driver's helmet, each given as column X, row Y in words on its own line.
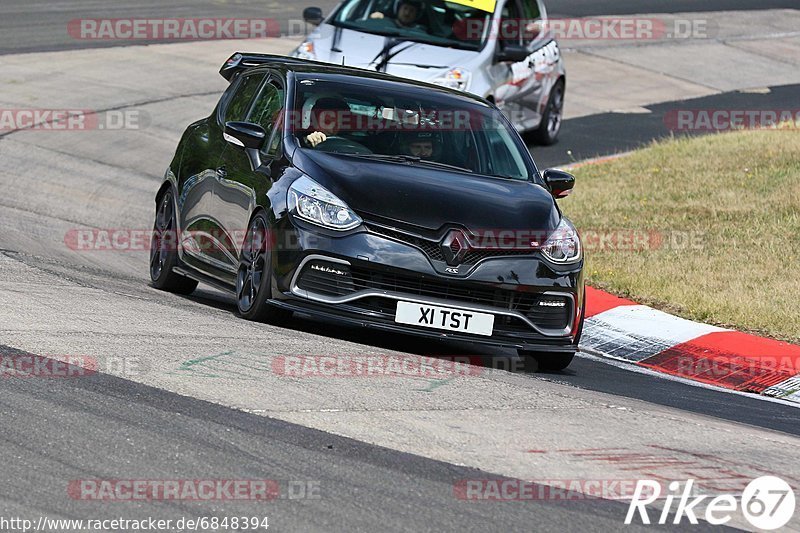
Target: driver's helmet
column 336, row 105
column 419, row 4
column 424, row 144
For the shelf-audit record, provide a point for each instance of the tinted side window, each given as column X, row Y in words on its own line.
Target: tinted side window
column 266, row 108
column 240, row 103
column 266, row 112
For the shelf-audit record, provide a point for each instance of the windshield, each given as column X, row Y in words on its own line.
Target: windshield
column 447, row 23
column 409, row 125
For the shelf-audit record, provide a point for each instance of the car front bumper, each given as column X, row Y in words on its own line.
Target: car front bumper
column 359, row 278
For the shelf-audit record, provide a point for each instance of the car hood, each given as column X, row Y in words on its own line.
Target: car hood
column 431, row 198
column 413, row 60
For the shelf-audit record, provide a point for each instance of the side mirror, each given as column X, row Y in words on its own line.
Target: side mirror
column 313, row 15
column 245, row 135
column 559, row 182
column 513, row 53
column 250, row 138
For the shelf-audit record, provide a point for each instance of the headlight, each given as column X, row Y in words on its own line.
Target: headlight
column 457, row 78
column 564, row 245
column 310, row 201
column 306, row 51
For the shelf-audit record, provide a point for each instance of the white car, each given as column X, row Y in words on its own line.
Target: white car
column 498, row 49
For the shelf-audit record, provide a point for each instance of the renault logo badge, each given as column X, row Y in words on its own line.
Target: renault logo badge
column 455, row 247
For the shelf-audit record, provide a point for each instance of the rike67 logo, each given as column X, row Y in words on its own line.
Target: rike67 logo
column 767, row 503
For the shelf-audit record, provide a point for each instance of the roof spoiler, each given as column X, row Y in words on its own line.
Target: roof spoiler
column 241, row 61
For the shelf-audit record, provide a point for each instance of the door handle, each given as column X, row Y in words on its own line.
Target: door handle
column 222, row 173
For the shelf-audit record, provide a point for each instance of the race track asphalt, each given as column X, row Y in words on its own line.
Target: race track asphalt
column 58, row 432
column 611, row 133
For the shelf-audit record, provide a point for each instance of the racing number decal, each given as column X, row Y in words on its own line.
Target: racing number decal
column 538, row 63
column 544, row 57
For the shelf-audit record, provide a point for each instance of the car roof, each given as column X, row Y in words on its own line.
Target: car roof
column 305, row 69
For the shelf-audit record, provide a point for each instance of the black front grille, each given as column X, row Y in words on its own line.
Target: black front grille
column 474, row 256
column 551, row 312
column 438, row 288
column 433, row 249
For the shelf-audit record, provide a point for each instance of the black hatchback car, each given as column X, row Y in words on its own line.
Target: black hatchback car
column 373, row 200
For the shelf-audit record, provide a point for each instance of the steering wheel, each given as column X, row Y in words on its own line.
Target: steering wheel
column 340, row 145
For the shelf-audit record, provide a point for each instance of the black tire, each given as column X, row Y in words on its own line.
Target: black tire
column 164, row 250
column 254, row 278
column 546, row 361
column 547, row 132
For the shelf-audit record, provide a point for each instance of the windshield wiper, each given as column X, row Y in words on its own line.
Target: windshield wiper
column 402, row 158
column 386, row 157
column 444, row 165
column 420, row 65
column 386, row 54
column 337, row 37
column 386, row 33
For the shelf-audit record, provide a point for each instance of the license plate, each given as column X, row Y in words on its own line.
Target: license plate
column 444, row 318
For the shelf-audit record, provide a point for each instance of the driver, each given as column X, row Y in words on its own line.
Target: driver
column 423, row 144
column 407, row 13
column 326, row 117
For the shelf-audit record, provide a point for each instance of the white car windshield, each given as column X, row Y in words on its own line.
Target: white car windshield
column 446, row 23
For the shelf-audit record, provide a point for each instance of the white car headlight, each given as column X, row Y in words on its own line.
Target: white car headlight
column 564, row 245
column 306, row 51
column 310, row 201
column 456, row 78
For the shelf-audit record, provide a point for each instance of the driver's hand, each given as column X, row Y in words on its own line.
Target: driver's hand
column 533, row 29
column 315, row 138
column 376, row 15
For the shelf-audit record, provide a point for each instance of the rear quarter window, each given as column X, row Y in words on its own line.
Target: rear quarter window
column 240, row 102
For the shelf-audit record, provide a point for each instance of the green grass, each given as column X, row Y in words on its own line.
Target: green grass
column 737, row 194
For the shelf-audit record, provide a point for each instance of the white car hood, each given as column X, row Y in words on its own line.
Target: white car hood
column 412, row 60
